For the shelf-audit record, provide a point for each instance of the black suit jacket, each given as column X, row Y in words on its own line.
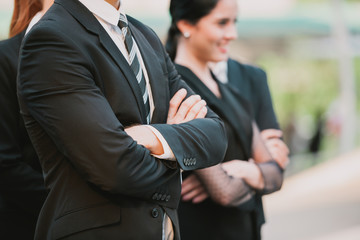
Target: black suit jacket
column 251, row 82
column 244, row 98
column 77, row 94
column 208, row 219
column 22, row 190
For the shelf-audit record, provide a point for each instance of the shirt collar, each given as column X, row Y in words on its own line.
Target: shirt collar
column 33, row 21
column 104, row 10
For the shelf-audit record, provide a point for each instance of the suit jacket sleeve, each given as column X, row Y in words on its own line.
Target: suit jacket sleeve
column 264, row 112
column 70, row 107
column 198, row 143
column 20, row 183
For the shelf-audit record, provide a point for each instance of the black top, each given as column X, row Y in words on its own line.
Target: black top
column 22, row 190
column 209, row 220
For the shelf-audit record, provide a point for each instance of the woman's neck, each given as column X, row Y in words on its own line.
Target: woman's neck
column 185, row 57
column 46, row 5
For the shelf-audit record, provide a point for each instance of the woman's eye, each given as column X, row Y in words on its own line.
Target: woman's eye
column 223, row 22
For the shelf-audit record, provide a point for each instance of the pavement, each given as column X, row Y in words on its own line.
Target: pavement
column 321, row 203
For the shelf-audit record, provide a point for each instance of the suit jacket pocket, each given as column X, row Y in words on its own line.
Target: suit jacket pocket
column 85, row 219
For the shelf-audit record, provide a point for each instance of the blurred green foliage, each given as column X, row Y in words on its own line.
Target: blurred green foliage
column 305, row 87
column 357, row 76
column 300, row 86
column 5, row 16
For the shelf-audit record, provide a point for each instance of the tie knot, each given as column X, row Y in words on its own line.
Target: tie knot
column 122, row 21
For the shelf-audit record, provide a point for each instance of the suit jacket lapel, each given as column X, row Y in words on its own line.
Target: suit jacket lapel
column 195, row 83
column 237, row 78
column 124, row 66
column 87, row 19
column 240, row 122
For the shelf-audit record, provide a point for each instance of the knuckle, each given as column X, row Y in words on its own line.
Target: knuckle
column 173, row 103
column 187, row 103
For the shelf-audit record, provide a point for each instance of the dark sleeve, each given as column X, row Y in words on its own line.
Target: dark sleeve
column 224, row 189
column 264, row 112
column 198, row 143
column 73, row 111
column 272, row 175
column 20, row 184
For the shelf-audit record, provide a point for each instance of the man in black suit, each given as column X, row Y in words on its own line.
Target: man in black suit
column 112, row 173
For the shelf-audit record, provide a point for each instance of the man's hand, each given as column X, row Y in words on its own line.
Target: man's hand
column 144, row 136
column 277, row 148
column 193, row 190
column 181, row 110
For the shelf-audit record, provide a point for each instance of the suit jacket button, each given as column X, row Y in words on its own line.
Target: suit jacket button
column 155, row 213
column 154, row 197
column 167, row 198
column 163, row 197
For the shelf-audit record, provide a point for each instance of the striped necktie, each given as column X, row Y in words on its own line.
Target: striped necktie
column 135, row 63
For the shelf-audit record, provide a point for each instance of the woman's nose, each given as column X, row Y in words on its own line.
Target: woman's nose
column 231, row 32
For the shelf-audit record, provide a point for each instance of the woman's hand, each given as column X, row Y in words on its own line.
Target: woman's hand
column 277, row 148
column 193, row 190
column 181, row 110
column 248, row 171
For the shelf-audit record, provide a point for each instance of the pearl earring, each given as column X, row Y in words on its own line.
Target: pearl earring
column 186, row 34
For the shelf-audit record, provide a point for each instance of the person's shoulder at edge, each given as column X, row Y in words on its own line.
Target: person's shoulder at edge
column 250, row 72
column 251, row 68
column 11, row 46
column 9, row 53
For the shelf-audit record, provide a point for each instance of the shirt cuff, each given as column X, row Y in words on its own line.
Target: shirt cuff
column 168, row 153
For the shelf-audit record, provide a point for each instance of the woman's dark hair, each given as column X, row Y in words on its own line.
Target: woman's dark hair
column 189, row 10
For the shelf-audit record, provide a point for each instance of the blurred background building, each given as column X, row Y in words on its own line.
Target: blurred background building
column 310, row 50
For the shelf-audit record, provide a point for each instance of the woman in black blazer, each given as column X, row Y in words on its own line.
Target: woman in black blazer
column 22, row 190
column 253, row 165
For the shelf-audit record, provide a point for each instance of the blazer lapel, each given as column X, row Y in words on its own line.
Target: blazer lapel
column 154, row 70
column 87, row 19
column 124, row 66
column 238, row 119
column 199, row 87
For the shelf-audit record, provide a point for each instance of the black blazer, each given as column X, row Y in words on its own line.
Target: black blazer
column 209, row 220
column 237, row 107
column 77, row 94
column 22, row 190
column 251, row 82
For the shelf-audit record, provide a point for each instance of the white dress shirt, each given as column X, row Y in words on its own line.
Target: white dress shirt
column 220, row 70
column 34, row 20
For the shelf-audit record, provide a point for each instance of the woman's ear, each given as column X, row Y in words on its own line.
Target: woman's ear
column 185, row 28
